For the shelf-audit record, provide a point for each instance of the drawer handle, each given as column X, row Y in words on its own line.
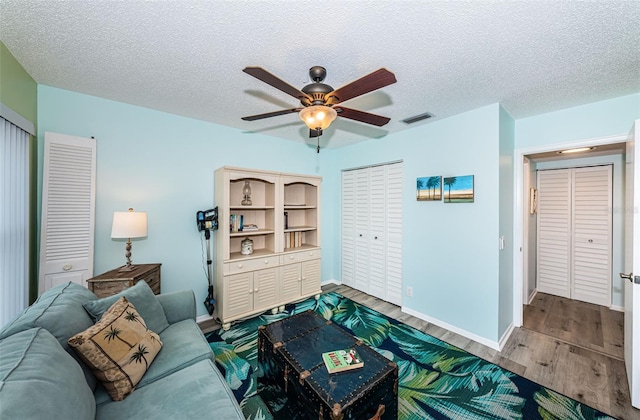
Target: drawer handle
column 67, row 267
column 291, row 257
column 239, row 265
column 311, row 254
column 266, row 261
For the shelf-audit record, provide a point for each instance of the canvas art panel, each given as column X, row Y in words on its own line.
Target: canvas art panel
column 429, row 188
column 458, row 189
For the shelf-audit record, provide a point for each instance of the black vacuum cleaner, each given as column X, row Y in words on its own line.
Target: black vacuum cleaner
column 207, row 221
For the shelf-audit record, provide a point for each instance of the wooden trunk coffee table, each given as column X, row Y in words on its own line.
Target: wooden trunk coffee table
column 291, row 369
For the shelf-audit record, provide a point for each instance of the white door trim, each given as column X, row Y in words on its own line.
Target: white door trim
column 519, row 203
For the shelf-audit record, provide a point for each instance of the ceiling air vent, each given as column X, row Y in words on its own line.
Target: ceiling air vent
column 417, row 118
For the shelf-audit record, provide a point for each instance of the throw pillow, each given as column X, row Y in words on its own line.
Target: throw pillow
column 119, row 348
column 142, row 297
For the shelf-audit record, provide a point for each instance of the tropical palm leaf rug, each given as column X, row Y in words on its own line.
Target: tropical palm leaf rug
column 436, row 380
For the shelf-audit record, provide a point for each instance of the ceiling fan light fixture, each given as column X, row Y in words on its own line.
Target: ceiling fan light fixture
column 318, row 117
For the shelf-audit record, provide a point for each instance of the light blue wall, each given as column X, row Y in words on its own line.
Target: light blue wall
column 450, row 255
column 598, row 119
column 163, row 164
column 507, row 134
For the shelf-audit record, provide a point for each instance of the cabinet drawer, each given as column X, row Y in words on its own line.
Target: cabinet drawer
column 294, row 257
column 250, row 265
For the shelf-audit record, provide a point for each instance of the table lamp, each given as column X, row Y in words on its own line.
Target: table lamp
column 129, row 224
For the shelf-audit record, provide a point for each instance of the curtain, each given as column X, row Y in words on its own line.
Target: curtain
column 14, row 220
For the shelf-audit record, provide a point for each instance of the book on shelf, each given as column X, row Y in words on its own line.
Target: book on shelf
column 292, row 239
column 249, row 227
column 341, row 360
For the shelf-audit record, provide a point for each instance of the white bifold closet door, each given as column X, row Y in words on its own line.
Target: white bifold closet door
column 68, row 210
column 372, row 230
column 575, row 233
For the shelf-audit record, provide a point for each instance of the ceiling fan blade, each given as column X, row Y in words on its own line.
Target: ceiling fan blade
column 271, row 114
column 365, row 117
column 261, row 74
column 372, row 81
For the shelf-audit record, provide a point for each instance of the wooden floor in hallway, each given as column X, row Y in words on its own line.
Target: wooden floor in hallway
column 592, row 327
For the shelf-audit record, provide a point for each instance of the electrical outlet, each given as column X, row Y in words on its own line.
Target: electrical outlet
column 409, row 291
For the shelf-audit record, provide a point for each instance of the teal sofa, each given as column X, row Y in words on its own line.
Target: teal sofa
column 42, row 377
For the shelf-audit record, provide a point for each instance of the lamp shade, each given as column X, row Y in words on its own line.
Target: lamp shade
column 129, row 224
column 318, row 116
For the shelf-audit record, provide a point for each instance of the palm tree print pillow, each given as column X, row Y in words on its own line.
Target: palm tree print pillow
column 119, row 348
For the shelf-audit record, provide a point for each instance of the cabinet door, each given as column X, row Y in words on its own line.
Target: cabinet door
column 238, row 294
column 310, row 277
column 290, row 276
column 266, row 292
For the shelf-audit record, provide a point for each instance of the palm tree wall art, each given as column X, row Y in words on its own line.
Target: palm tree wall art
column 428, row 188
column 458, row 189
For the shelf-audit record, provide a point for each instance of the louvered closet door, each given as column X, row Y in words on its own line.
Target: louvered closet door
column 393, row 203
column 372, row 231
column 348, row 227
column 554, row 232
column 376, row 232
column 361, row 252
column 68, row 210
column 592, row 220
column 574, row 233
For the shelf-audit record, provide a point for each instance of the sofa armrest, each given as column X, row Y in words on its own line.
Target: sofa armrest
column 178, row 306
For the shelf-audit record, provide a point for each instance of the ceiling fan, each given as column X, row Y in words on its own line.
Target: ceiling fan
column 318, row 100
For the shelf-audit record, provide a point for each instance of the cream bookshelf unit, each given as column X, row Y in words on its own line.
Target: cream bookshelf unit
column 285, row 264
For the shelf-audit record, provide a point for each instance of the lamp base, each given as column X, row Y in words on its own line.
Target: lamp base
column 127, row 267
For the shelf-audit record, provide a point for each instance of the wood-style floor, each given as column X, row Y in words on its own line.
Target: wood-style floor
column 551, row 350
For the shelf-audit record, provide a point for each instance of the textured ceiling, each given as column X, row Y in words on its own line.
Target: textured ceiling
column 186, row 57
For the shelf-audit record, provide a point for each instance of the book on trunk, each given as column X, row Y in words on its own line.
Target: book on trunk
column 341, row 360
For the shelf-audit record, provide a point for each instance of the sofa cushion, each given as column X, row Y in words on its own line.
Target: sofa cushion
column 39, row 379
column 119, row 348
column 59, row 310
column 195, row 392
column 142, row 297
column 183, row 345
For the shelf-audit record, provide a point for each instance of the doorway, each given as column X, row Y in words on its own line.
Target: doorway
column 527, row 161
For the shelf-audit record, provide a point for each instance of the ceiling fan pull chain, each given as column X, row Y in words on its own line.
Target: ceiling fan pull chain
column 318, row 149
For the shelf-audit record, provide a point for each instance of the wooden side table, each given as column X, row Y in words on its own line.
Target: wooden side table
column 114, row 281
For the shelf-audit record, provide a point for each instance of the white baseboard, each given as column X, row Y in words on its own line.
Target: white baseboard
column 330, row 281
column 616, row 308
column 203, row 318
column 533, row 294
column 471, row 336
column 505, row 336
